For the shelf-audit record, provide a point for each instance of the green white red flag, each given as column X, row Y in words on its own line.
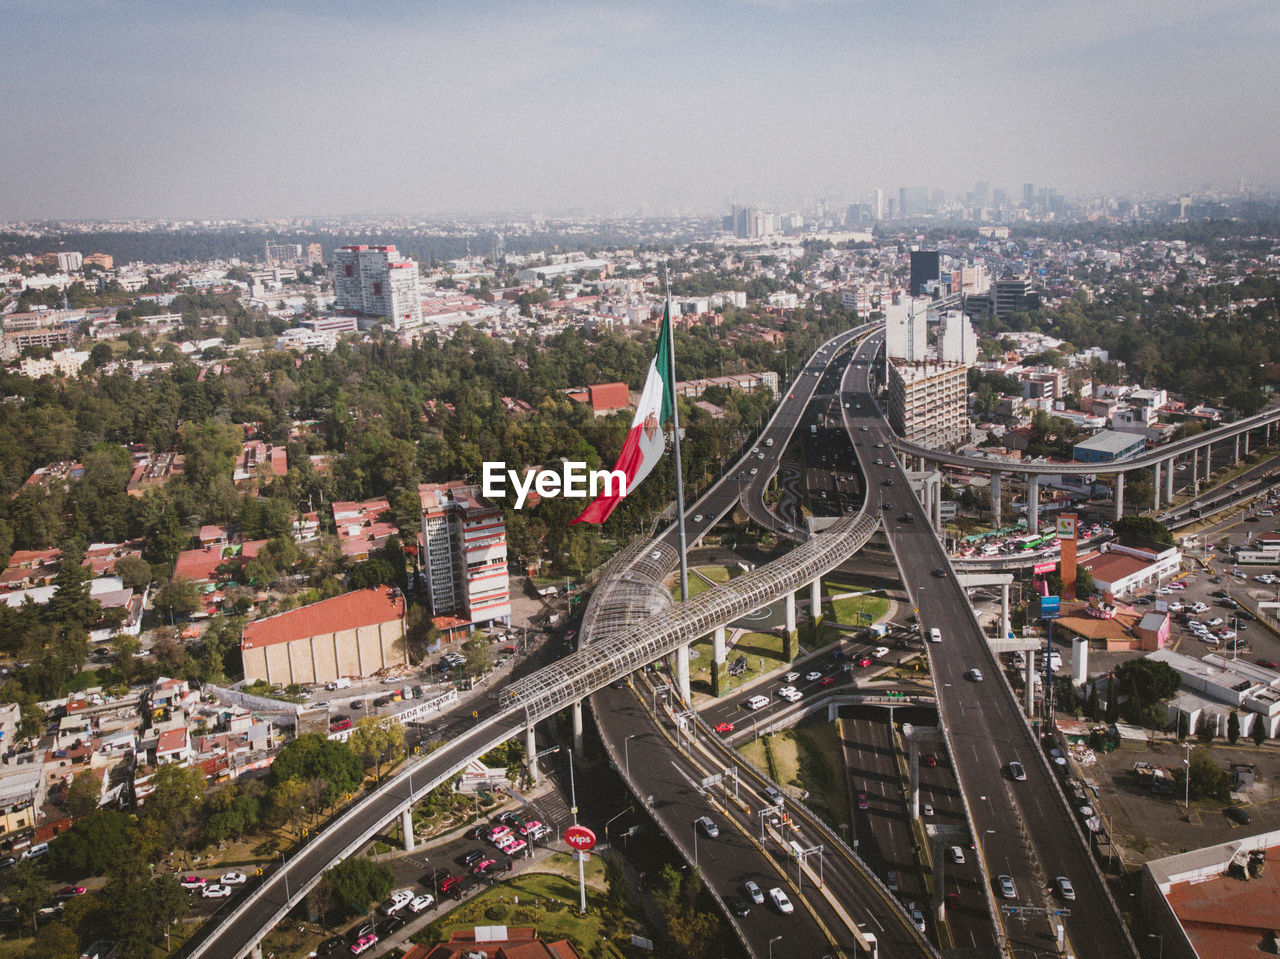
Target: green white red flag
column 646, row 439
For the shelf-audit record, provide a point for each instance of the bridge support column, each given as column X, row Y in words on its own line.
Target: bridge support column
column 1029, row 698
column 938, row 852
column 789, row 628
column 682, row 674
column 1119, row 497
column 576, row 716
column 531, row 753
column 1169, row 468
column 1033, row 503
column 815, row 603
column 256, row 951
column 995, row 499
column 937, row 501
column 1155, row 487
column 1245, row 437
column 1004, row 611
column 406, row 827
column 717, row 660
column 1236, row 456
column 1208, row 462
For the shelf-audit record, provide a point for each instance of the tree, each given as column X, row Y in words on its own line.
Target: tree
column 358, row 883
column 1258, row 732
column 83, row 794
column 479, row 660
column 1141, row 531
column 134, row 572
column 313, row 756
column 1233, row 727
column 93, row 845
column 72, row 605
column 178, row 794
column 179, row 597
column 1208, row 779
column 56, row 940
column 28, row 890
column 375, row 742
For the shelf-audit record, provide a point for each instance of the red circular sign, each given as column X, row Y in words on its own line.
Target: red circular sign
column 580, row 838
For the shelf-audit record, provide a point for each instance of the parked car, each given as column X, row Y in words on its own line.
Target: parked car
column 391, row 924
column 364, row 944
column 1236, row 814
column 215, row 891
column 419, row 903
column 233, row 879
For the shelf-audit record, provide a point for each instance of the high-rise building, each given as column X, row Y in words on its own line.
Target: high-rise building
column 283, row 254
column 464, row 554
column 926, row 267
column 377, row 281
column 957, row 342
column 1013, row 294
column 70, row 261
column 315, row 255
column 905, row 331
column 913, row 201
column 880, row 205
column 927, row 402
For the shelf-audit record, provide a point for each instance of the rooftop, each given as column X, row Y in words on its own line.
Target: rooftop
column 365, row 607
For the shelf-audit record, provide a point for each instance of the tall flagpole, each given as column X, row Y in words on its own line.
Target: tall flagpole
column 682, row 654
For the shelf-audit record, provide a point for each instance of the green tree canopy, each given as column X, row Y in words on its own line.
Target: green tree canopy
column 313, row 756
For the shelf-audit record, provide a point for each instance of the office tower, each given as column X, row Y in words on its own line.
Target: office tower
column 377, row 281
column 1028, row 195
column 905, row 335
column 880, row 205
column 926, row 267
column 957, row 342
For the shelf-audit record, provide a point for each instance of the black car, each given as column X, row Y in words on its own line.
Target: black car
column 940, row 573
column 364, row 929
column 737, row 905
column 331, row 947
column 389, row 925
column 475, row 831
column 1236, row 814
column 471, row 858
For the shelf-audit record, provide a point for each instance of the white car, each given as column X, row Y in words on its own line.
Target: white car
column 425, row 901
column 813, row 677
column 957, row 855
column 399, row 899
column 792, row 676
column 215, row 891
column 926, row 808
column 880, row 652
column 780, row 901
column 233, row 879
column 789, row 693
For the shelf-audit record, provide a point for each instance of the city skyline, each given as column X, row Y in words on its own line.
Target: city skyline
column 590, row 108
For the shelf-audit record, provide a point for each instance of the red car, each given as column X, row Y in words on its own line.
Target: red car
column 1268, row 663
column 826, row 681
column 724, row 727
column 483, row 866
column 69, row 892
column 864, row 661
column 931, row 759
column 862, row 801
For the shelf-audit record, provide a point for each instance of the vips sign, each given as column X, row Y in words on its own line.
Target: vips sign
column 580, row 838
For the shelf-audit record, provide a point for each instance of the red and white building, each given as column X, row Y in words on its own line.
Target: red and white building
column 464, row 554
column 377, row 281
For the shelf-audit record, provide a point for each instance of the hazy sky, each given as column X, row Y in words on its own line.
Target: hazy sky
column 167, row 108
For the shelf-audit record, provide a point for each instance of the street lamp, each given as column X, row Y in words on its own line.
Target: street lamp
column 626, row 749
column 1186, row 761
column 1160, row 941
column 771, row 942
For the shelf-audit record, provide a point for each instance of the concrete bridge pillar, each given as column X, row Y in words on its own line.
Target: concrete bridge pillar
column 531, row 753
column 937, row 502
column 256, row 951
column 939, row 856
column 1119, row 497
column 1235, row 457
column 1246, row 443
column 406, row 827
column 995, row 499
column 789, row 629
column 718, row 642
column 1033, row 502
column 1155, row 487
column 1170, row 466
column 815, row 601
column 1004, row 611
column 1208, row 461
column 1029, row 698
column 682, row 674
column 576, row 714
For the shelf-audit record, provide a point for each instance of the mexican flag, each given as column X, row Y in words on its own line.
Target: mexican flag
column 646, row 440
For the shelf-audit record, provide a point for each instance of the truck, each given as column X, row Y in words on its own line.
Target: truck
column 342, row 682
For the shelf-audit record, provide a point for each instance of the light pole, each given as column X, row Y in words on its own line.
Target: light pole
column 1160, row 943
column 1186, row 760
column 695, row 844
column 285, row 872
column 626, row 749
column 771, row 942
column 610, row 820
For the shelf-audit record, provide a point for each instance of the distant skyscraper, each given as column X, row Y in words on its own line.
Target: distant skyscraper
column 913, row 201
column 926, row 267
column 377, row 281
column 880, row 205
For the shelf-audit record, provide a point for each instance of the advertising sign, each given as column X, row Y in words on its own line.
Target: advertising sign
column 580, row 838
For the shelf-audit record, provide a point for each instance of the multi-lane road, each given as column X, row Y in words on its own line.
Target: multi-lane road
column 1023, row 829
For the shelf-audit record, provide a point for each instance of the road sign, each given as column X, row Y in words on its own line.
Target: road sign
column 1050, row 607
column 580, row 838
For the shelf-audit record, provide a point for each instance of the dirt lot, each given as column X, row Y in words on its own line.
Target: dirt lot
column 1148, row 826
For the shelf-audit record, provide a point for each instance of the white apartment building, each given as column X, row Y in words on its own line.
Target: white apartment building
column 464, row 554
column 906, row 332
column 69, row 261
column 957, row 342
column 377, row 281
column 928, row 402
column 61, row 363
